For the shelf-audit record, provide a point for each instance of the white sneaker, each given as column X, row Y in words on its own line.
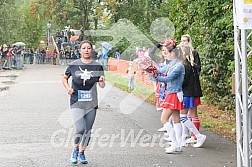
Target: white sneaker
column 200, row 141
column 183, row 140
column 167, row 139
column 166, row 134
column 191, row 140
column 172, row 150
column 169, row 143
column 162, row 129
column 184, row 144
column 160, row 110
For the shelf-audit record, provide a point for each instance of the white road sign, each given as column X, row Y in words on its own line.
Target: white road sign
column 243, row 14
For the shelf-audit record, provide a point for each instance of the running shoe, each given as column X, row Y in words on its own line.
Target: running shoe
column 173, row 150
column 166, row 134
column 200, row 141
column 183, row 141
column 74, row 157
column 82, row 158
column 162, row 129
column 191, row 140
column 167, row 139
column 184, row 144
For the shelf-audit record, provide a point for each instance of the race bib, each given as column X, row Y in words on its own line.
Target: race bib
column 84, row 95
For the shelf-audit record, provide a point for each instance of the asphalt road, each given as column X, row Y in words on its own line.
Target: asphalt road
column 36, row 128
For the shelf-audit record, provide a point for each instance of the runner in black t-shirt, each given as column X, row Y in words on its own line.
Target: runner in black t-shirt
column 85, row 73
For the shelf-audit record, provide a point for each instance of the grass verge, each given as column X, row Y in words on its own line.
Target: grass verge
column 140, row 90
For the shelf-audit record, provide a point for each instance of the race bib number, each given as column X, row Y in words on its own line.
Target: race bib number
column 84, row 95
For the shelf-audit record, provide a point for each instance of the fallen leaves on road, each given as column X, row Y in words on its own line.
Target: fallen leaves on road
column 218, row 121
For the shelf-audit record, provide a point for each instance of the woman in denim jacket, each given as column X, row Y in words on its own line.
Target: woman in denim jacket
column 174, row 98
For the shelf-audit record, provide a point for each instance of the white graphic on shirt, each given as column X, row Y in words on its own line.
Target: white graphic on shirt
column 85, row 75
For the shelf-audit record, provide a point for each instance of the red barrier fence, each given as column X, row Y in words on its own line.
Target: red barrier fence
column 121, row 66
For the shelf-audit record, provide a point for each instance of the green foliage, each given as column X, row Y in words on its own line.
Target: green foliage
column 210, row 25
column 22, row 24
column 33, row 28
column 8, row 20
column 122, row 45
column 205, row 125
column 140, row 13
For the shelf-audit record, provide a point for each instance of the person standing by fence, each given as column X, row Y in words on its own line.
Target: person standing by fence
column 173, row 102
column 1, row 57
column 105, row 58
column 54, row 56
column 31, row 54
column 19, row 58
column 43, row 55
column 4, row 56
column 196, row 67
column 131, row 76
column 48, row 56
column 10, row 58
column 117, row 54
column 189, row 99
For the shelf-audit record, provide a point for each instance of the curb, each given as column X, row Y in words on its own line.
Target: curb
column 7, row 78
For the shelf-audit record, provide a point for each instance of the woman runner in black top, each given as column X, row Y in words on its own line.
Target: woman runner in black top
column 85, row 73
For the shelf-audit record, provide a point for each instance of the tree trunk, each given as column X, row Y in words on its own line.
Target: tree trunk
column 85, row 8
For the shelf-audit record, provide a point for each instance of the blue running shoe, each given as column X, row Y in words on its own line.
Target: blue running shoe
column 74, row 157
column 83, row 158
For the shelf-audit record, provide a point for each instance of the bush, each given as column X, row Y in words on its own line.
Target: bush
column 210, row 23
